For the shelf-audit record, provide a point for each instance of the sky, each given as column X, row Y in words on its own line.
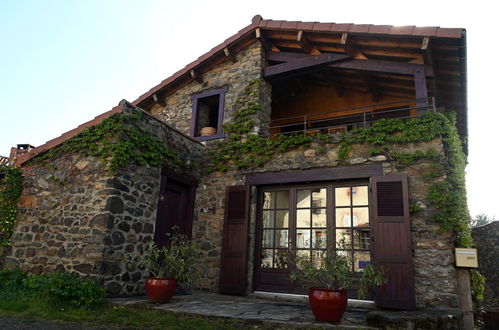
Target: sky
column 63, row 62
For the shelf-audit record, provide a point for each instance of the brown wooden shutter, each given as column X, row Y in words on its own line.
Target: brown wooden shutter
column 235, row 241
column 391, row 238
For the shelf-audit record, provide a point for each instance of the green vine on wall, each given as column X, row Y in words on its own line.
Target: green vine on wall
column 11, row 186
column 119, row 139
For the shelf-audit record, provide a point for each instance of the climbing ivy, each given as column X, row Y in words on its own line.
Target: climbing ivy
column 119, row 139
column 11, row 186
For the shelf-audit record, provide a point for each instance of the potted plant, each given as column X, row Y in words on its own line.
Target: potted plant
column 168, row 266
column 328, row 278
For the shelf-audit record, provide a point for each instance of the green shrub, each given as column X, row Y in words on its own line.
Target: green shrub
column 56, row 289
column 11, row 282
column 65, row 289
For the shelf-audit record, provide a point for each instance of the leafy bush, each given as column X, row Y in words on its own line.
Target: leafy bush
column 56, row 289
column 11, row 282
column 11, row 186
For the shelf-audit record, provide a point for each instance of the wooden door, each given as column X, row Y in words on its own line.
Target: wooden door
column 391, row 239
column 233, row 263
column 175, row 208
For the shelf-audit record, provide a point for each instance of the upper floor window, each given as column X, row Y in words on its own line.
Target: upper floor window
column 208, row 115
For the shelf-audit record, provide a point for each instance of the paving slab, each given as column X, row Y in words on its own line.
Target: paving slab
column 282, row 313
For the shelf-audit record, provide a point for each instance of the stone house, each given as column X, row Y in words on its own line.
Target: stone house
column 297, row 134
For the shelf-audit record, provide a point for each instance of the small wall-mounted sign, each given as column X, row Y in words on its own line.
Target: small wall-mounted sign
column 466, row 258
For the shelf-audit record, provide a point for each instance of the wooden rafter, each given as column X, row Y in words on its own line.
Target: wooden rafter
column 196, row 76
column 158, row 99
column 305, row 44
column 349, row 47
column 230, row 55
column 267, row 44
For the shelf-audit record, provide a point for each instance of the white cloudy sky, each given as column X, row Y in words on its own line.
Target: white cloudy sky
column 62, row 62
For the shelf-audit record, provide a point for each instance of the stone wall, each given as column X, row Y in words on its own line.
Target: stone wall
column 77, row 215
column 434, row 270
column 235, row 76
column 486, row 239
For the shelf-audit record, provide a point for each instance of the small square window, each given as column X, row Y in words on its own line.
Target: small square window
column 208, row 114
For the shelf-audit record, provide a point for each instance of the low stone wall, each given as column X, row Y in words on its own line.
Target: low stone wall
column 486, row 239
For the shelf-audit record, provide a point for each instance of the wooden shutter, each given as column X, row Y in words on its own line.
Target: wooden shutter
column 391, row 239
column 235, row 241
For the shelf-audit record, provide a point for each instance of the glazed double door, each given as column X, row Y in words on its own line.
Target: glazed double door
column 309, row 219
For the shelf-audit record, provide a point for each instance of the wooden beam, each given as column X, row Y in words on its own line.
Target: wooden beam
column 230, row 55
column 421, row 92
column 426, row 48
column 382, row 67
column 158, row 100
column 285, row 56
column 196, row 76
column 305, row 44
column 349, row 47
column 301, row 65
column 265, row 41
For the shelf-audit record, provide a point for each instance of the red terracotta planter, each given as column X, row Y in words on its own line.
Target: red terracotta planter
column 328, row 305
column 160, row 290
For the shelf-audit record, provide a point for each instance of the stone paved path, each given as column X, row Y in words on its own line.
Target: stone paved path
column 288, row 314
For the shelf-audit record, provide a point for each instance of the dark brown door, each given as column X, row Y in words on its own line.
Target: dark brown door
column 235, row 241
column 175, row 208
column 391, row 236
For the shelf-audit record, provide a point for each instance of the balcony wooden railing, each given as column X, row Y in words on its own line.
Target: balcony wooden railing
column 343, row 120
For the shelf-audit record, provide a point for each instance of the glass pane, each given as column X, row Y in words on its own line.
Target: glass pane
column 281, row 238
column 320, row 238
column 281, row 259
column 282, row 219
column 268, row 238
column 317, row 257
column 361, row 239
column 302, row 255
column 359, row 195
column 343, row 217
column 361, row 217
column 342, row 196
column 343, row 238
column 319, row 197
column 269, row 200
column 303, row 238
column 361, row 260
column 319, row 218
column 282, row 198
column 303, row 218
column 303, row 198
column 266, row 259
column 268, row 219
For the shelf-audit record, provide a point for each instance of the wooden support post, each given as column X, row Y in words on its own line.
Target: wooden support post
column 421, row 92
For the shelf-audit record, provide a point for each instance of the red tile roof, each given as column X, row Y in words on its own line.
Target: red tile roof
column 259, row 22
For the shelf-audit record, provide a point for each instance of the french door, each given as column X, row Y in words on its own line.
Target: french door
column 309, row 219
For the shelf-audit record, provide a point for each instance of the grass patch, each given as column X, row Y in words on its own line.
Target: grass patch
column 122, row 317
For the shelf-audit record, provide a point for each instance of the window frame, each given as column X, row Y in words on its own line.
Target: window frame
column 195, row 114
